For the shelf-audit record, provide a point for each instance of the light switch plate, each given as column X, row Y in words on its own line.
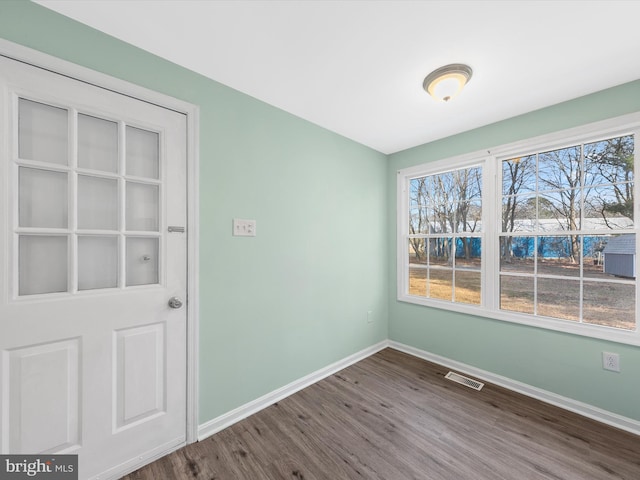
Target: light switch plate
column 244, row 228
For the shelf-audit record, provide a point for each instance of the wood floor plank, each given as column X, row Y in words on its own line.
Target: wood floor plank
column 394, row 417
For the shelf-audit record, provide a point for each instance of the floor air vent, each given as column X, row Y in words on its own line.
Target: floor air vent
column 469, row 382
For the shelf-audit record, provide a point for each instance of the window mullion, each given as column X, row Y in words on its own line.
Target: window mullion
column 491, row 210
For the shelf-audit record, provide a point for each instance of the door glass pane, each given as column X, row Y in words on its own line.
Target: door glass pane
column 97, row 262
column 142, row 207
column 42, row 264
column 97, row 203
column 142, row 153
column 42, row 198
column 42, row 132
column 142, row 261
column 97, row 143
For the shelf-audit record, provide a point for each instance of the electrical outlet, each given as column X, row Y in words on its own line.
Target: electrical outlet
column 611, row 361
column 369, row 316
column 244, row 228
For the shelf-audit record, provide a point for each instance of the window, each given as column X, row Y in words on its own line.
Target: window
column 541, row 232
column 445, row 243
column 560, row 210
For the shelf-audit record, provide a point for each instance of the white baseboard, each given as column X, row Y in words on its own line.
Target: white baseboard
column 223, row 421
column 226, row 420
column 584, row 409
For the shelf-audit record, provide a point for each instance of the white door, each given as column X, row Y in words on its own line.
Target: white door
column 93, row 357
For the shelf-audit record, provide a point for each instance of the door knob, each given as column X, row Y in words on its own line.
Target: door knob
column 175, row 302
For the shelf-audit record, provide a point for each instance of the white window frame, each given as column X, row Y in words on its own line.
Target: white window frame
column 490, row 160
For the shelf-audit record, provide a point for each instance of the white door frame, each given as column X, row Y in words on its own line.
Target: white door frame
column 192, row 112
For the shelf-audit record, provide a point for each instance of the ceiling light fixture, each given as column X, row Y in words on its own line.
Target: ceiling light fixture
column 447, row 82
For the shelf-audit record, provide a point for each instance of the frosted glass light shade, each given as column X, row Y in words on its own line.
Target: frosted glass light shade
column 447, row 82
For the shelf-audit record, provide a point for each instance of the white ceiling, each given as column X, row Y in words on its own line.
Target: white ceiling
column 356, row 67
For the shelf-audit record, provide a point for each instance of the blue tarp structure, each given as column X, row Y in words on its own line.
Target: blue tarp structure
column 553, row 246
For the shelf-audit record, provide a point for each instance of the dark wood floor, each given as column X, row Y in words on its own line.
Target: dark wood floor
column 395, row 417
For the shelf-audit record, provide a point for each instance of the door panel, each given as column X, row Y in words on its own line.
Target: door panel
column 49, row 423
column 140, row 384
column 92, row 180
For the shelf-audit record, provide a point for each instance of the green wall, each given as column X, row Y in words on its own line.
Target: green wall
column 565, row 364
column 295, row 298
